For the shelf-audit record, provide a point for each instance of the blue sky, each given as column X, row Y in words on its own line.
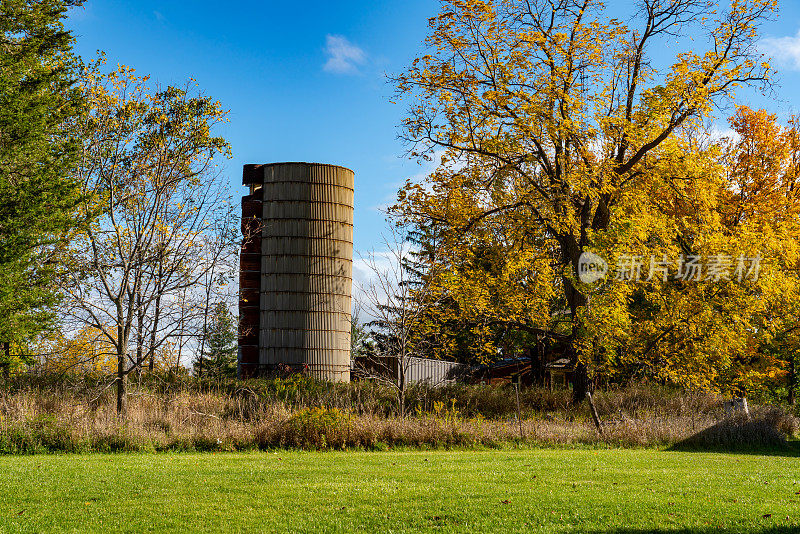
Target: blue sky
column 305, row 81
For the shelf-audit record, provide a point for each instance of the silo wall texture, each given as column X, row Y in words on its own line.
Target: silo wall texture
column 306, row 267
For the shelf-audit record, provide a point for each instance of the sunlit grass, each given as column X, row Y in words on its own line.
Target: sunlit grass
column 476, row 491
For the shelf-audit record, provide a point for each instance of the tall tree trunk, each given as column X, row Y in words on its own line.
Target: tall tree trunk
column 139, row 337
column 122, row 394
column 581, row 384
column 154, row 329
column 571, row 253
column 181, row 339
column 571, row 250
column 156, row 312
column 401, row 385
column 595, row 417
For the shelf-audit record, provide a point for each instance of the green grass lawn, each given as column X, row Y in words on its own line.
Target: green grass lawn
column 634, row 491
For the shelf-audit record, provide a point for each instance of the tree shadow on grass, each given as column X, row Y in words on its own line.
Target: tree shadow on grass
column 704, row 530
column 760, row 435
column 790, row 449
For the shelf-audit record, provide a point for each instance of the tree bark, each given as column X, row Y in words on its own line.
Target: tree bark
column 154, row 330
column 139, row 333
column 792, row 381
column 571, row 253
column 580, row 383
column 571, row 250
column 593, row 409
column 122, row 394
column 401, row 387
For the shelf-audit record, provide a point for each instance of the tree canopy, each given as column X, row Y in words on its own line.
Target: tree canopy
column 162, row 220
column 561, row 132
column 38, row 99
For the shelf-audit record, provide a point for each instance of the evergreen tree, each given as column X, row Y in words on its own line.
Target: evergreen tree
column 451, row 332
column 38, row 99
column 218, row 357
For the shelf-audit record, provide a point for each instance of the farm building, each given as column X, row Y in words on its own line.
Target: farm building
column 528, row 370
column 432, row 371
column 296, row 270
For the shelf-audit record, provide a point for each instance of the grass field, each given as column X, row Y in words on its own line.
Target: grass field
column 548, row 490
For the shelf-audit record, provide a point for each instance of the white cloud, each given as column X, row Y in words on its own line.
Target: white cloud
column 343, row 56
column 785, row 50
column 372, row 270
column 716, row 134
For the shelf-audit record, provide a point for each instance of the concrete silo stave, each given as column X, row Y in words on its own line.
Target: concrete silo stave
column 305, row 278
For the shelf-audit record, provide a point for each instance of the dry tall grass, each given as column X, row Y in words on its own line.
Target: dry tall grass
column 55, row 416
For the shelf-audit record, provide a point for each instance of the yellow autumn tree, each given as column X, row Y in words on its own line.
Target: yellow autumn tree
column 163, row 219
column 86, row 352
column 558, row 129
column 698, row 330
column 763, row 206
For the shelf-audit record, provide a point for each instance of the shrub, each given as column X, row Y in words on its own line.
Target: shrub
column 42, row 433
column 779, row 419
column 317, row 428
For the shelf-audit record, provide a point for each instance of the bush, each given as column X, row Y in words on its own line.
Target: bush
column 782, row 421
column 317, row 428
column 42, row 433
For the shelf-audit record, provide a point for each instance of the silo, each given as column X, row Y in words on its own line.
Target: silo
column 250, row 284
column 306, row 237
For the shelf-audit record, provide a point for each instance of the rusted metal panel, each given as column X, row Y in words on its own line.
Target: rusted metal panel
column 250, row 262
column 311, row 265
column 310, row 246
column 250, row 281
column 432, row 371
column 252, row 174
column 251, row 207
column 248, row 296
column 278, row 302
column 306, row 283
column 303, row 228
column 252, row 246
column 248, row 319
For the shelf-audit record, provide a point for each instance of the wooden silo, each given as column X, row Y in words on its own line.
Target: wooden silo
column 305, row 233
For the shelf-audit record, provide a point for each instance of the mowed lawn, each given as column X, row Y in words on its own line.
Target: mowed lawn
column 478, row 491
